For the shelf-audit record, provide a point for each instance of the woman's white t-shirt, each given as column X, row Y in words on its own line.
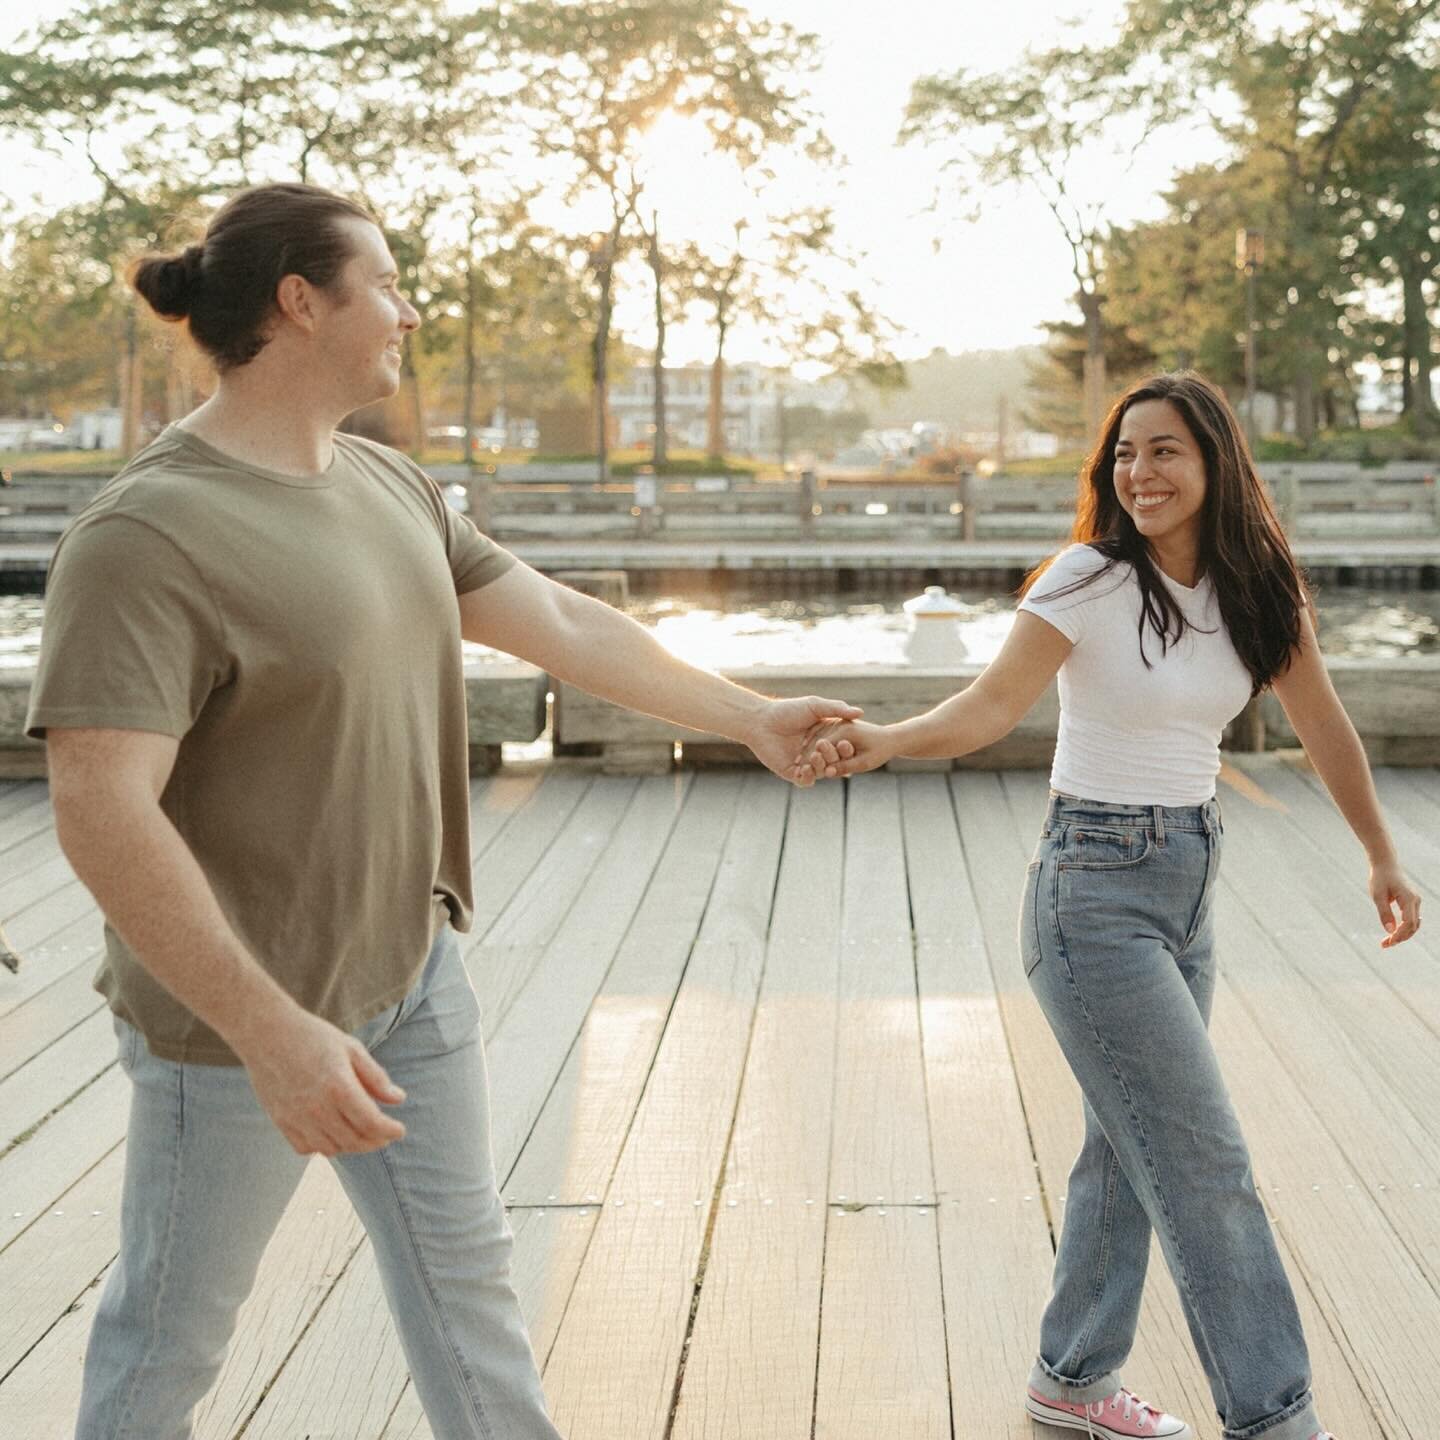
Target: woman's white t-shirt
column 1131, row 734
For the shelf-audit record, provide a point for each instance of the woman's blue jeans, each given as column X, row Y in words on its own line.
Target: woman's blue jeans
column 1116, row 934
column 207, row 1176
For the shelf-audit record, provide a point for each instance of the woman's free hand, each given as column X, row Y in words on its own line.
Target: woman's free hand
column 1393, row 894
column 848, row 747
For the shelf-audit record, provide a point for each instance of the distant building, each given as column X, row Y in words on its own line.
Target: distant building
column 97, row 430
column 751, row 404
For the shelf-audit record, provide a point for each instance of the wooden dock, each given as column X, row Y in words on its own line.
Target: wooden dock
column 784, row 1136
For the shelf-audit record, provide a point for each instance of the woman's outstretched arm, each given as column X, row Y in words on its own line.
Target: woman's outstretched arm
column 1324, row 729
column 978, row 716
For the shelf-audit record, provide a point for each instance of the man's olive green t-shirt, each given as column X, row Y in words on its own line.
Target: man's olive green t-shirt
column 300, row 638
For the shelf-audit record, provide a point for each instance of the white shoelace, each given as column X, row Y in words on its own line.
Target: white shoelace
column 1142, row 1410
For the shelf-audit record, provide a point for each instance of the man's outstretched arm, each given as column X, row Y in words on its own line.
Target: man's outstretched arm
column 588, row 644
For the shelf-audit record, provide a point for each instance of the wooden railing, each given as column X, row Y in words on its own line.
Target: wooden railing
column 1318, row 499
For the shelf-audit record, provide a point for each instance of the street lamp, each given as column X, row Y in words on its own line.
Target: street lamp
column 1249, row 257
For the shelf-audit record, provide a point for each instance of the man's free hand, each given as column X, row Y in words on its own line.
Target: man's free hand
column 322, row 1087
column 783, row 731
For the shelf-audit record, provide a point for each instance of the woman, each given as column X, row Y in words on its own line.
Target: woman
column 1178, row 602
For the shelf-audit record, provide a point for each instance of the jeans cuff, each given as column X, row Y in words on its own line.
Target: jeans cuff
column 1299, row 1422
column 1050, row 1386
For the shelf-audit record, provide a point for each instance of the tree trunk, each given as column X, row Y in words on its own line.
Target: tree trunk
column 1305, row 403
column 179, row 393
column 660, row 449
column 599, row 371
column 1095, row 383
column 467, row 409
column 417, row 401
column 132, row 388
column 1420, row 393
column 715, row 441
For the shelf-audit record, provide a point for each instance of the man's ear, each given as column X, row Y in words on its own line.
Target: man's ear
column 295, row 299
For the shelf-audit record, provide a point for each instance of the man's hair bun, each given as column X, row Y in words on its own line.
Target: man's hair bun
column 169, row 283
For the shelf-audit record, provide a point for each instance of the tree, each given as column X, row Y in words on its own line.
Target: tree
column 1304, row 79
column 742, row 280
column 600, row 74
column 1388, row 196
column 1027, row 126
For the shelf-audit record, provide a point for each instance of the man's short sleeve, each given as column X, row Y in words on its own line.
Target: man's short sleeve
column 475, row 559
column 1067, row 611
column 131, row 638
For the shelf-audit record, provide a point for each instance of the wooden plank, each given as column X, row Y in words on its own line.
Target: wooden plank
column 1342, row 985
column 49, row 1268
column 750, row 1367
column 509, row 950
column 24, row 855
column 504, row 865
column 882, row 1366
column 882, row 1370
column 996, row 1247
column 43, row 920
column 31, row 1027
column 22, row 795
column 1349, row 1290
column 572, row 1152
column 1328, row 866
column 55, row 1075
column 37, row 1170
column 494, row 803
column 27, row 814
column 51, row 957
column 880, row 1148
column 637, row 896
column 614, row 1366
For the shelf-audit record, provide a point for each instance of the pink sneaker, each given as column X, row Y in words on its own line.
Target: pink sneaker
column 1122, row 1416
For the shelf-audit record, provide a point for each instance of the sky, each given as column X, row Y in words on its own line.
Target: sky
column 944, row 279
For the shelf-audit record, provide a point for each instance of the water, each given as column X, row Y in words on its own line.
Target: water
column 870, row 629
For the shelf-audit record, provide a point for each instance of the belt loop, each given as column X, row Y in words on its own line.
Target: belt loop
column 1050, row 810
column 1159, row 825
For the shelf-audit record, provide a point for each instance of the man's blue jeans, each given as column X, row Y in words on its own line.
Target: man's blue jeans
column 207, row 1176
column 1117, row 939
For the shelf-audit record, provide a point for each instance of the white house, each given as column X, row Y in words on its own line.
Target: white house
column 751, row 403
column 97, row 430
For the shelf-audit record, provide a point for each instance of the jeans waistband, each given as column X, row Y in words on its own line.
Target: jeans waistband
column 1069, row 809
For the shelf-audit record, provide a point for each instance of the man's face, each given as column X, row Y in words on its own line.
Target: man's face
column 366, row 318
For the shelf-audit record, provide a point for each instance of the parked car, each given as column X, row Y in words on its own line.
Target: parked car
column 49, row 437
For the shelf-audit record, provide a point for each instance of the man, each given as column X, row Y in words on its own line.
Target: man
column 251, row 690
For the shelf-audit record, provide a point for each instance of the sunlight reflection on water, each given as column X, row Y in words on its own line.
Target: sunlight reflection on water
column 741, row 630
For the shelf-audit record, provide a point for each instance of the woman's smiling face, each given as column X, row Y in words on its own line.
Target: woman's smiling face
column 1160, row 478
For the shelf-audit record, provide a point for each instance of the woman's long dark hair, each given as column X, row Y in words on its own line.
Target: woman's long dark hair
column 1243, row 548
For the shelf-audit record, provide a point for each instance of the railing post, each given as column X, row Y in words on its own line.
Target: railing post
column 1287, row 498
column 807, row 501
column 647, row 500
column 479, row 493
column 965, row 499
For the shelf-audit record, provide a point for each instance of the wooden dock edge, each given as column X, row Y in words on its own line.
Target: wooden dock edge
column 506, row 701
column 1394, row 704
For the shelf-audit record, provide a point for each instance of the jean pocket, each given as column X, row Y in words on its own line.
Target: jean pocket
column 1030, row 952
column 446, row 1017
column 1104, row 848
